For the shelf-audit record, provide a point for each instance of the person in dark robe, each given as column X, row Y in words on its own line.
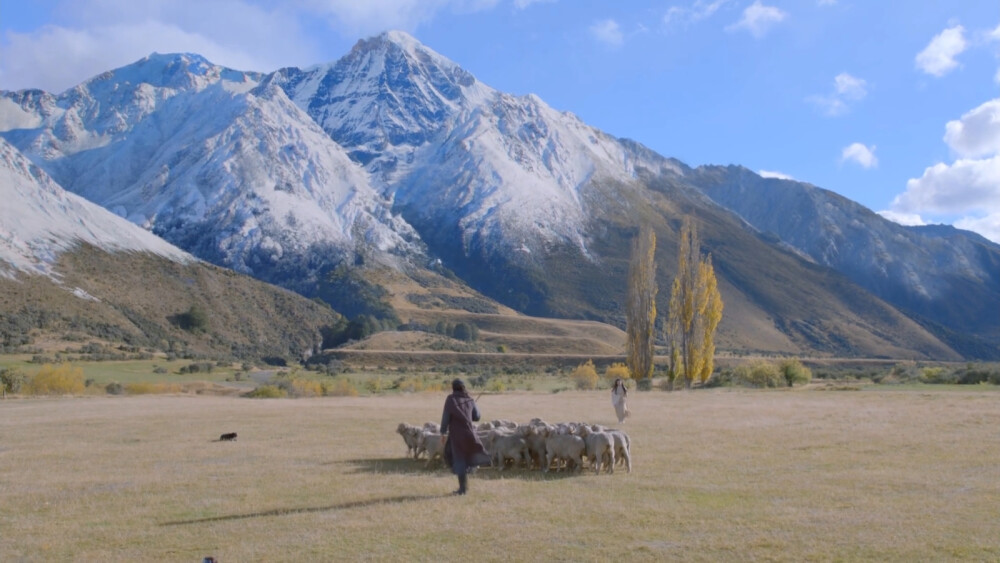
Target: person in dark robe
column 463, row 449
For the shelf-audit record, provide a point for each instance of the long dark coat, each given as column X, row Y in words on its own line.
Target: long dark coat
column 463, row 443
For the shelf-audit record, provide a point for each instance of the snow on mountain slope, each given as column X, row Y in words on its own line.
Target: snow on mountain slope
column 216, row 161
column 450, row 148
column 39, row 221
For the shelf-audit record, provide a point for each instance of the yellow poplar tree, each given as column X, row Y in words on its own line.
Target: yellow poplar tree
column 695, row 311
column 640, row 306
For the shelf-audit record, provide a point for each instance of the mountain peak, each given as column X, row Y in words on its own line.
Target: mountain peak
column 171, row 70
column 395, row 44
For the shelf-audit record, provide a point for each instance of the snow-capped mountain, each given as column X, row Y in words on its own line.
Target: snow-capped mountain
column 39, row 221
column 217, row 161
column 70, row 269
column 395, row 154
column 448, row 148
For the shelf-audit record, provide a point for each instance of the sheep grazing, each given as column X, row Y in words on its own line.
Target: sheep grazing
column 623, row 448
column 432, row 443
column 600, row 449
column 565, row 447
column 535, row 440
column 508, row 446
column 536, row 444
column 411, row 435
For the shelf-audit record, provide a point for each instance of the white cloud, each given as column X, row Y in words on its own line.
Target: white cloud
column 906, row 219
column 368, row 17
column 773, row 174
column 988, row 226
column 938, row 58
column 964, row 187
column 977, row 133
column 608, row 31
column 700, row 10
column 100, row 35
column 522, row 4
column 995, row 36
column 96, row 35
column 845, row 88
column 861, row 154
column 968, row 188
column 850, row 87
column 758, row 19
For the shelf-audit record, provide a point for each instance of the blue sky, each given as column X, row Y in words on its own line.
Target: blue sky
column 895, row 105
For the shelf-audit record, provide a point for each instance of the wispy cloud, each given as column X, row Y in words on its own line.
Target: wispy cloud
column 907, row 219
column 522, row 4
column 758, row 19
column 773, row 174
column 95, row 36
column 826, row 2
column 609, row 32
column 846, row 89
column 861, row 154
column 700, row 10
column 994, row 37
column 938, row 58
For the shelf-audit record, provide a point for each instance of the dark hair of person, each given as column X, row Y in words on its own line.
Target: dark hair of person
column 458, row 386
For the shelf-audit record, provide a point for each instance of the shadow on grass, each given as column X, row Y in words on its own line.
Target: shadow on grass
column 408, row 466
column 307, row 509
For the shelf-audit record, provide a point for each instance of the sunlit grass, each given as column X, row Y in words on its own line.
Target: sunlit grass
column 798, row 475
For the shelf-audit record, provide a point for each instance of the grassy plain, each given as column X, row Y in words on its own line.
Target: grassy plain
column 881, row 473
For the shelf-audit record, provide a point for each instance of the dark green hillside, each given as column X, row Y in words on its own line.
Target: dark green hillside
column 142, row 300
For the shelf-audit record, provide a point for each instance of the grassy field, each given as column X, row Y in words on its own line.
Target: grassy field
column 886, row 474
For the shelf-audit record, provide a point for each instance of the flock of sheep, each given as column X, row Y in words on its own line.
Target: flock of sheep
column 535, row 445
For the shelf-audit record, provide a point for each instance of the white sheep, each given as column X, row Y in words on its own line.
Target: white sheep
column 432, row 443
column 534, row 437
column 566, row 447
column 623, row 448
column 600, row 449
column 508, row 446
column 411, row 435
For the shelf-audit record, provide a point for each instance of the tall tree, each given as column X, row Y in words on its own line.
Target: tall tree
column 695, row 311
column 640, row 306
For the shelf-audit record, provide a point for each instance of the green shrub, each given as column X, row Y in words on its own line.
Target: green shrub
column 267, row 392
column 937, row 375
column 150, row 388
column 12, row 379
column 306, row 388
column 758, row 374
column 194, row 319
column 794, row 372
column 341, row 388
column 973, row 375
column 114, row 388
column 375, row 385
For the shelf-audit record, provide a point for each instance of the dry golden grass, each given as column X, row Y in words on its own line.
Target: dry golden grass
column 876, row 474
